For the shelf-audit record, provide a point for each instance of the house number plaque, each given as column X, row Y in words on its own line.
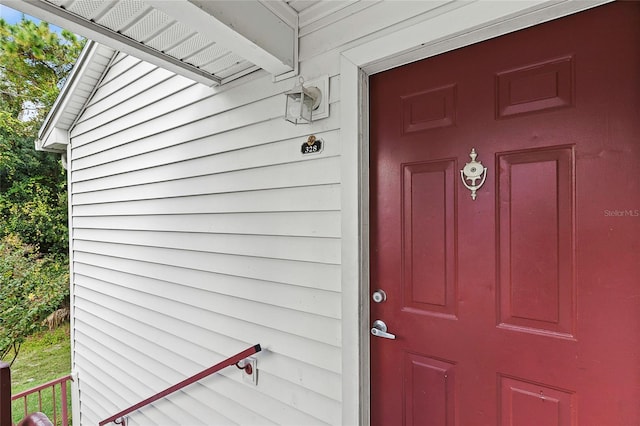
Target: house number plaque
column 472, row 172
column 311, row 146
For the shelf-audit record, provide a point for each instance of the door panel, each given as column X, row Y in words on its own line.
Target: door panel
column 428, row 282
column 520, row 307
column 531, row 404
column 429, row 389
column 536, row 240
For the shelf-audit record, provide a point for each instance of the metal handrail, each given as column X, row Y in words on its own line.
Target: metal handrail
column 62, row 381
column 6, row 398
column 119, row 418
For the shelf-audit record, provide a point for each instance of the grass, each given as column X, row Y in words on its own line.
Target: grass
column 43, row 357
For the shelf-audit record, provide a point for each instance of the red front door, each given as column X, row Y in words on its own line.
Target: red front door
column 521, row 307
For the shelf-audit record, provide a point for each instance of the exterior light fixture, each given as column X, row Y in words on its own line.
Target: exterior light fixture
column 301, row 102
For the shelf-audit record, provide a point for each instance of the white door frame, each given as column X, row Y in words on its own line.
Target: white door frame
column 461, row 27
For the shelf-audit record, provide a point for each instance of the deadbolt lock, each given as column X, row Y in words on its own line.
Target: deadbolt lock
column 379, row 296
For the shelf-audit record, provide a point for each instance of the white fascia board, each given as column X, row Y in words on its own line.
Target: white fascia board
column 55, row 140
column 51, row 136
column 78, row 25
column 265, row 36
column 79, row 68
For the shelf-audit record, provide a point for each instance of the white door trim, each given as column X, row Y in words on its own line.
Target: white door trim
column 461, row 27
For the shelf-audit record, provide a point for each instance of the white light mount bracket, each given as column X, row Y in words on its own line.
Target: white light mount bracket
column 322, row 83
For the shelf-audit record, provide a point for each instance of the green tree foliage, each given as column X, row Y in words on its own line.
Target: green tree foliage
column 34, row 63
column 31, row 287
column 33, row 196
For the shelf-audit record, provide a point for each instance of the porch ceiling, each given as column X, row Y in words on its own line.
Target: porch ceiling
column 211, row 42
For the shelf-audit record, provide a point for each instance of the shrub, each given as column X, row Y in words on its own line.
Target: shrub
column 31, row 287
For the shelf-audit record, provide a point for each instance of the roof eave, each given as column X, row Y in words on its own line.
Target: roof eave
column 53, row 135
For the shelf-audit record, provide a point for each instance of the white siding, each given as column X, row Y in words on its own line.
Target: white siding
column 199, row 230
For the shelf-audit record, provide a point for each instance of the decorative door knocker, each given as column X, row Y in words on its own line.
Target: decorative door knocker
column 472, row 172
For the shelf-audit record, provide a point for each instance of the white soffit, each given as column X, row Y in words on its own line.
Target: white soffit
column 211, row 42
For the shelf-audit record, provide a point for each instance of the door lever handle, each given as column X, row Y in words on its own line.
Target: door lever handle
column 379, row 329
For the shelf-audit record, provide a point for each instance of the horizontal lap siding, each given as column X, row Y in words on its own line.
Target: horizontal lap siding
column 312, row 224
column 164, row 297
column 304, row 249
column 199, row 230
column 297, row 199
column 179, row 180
